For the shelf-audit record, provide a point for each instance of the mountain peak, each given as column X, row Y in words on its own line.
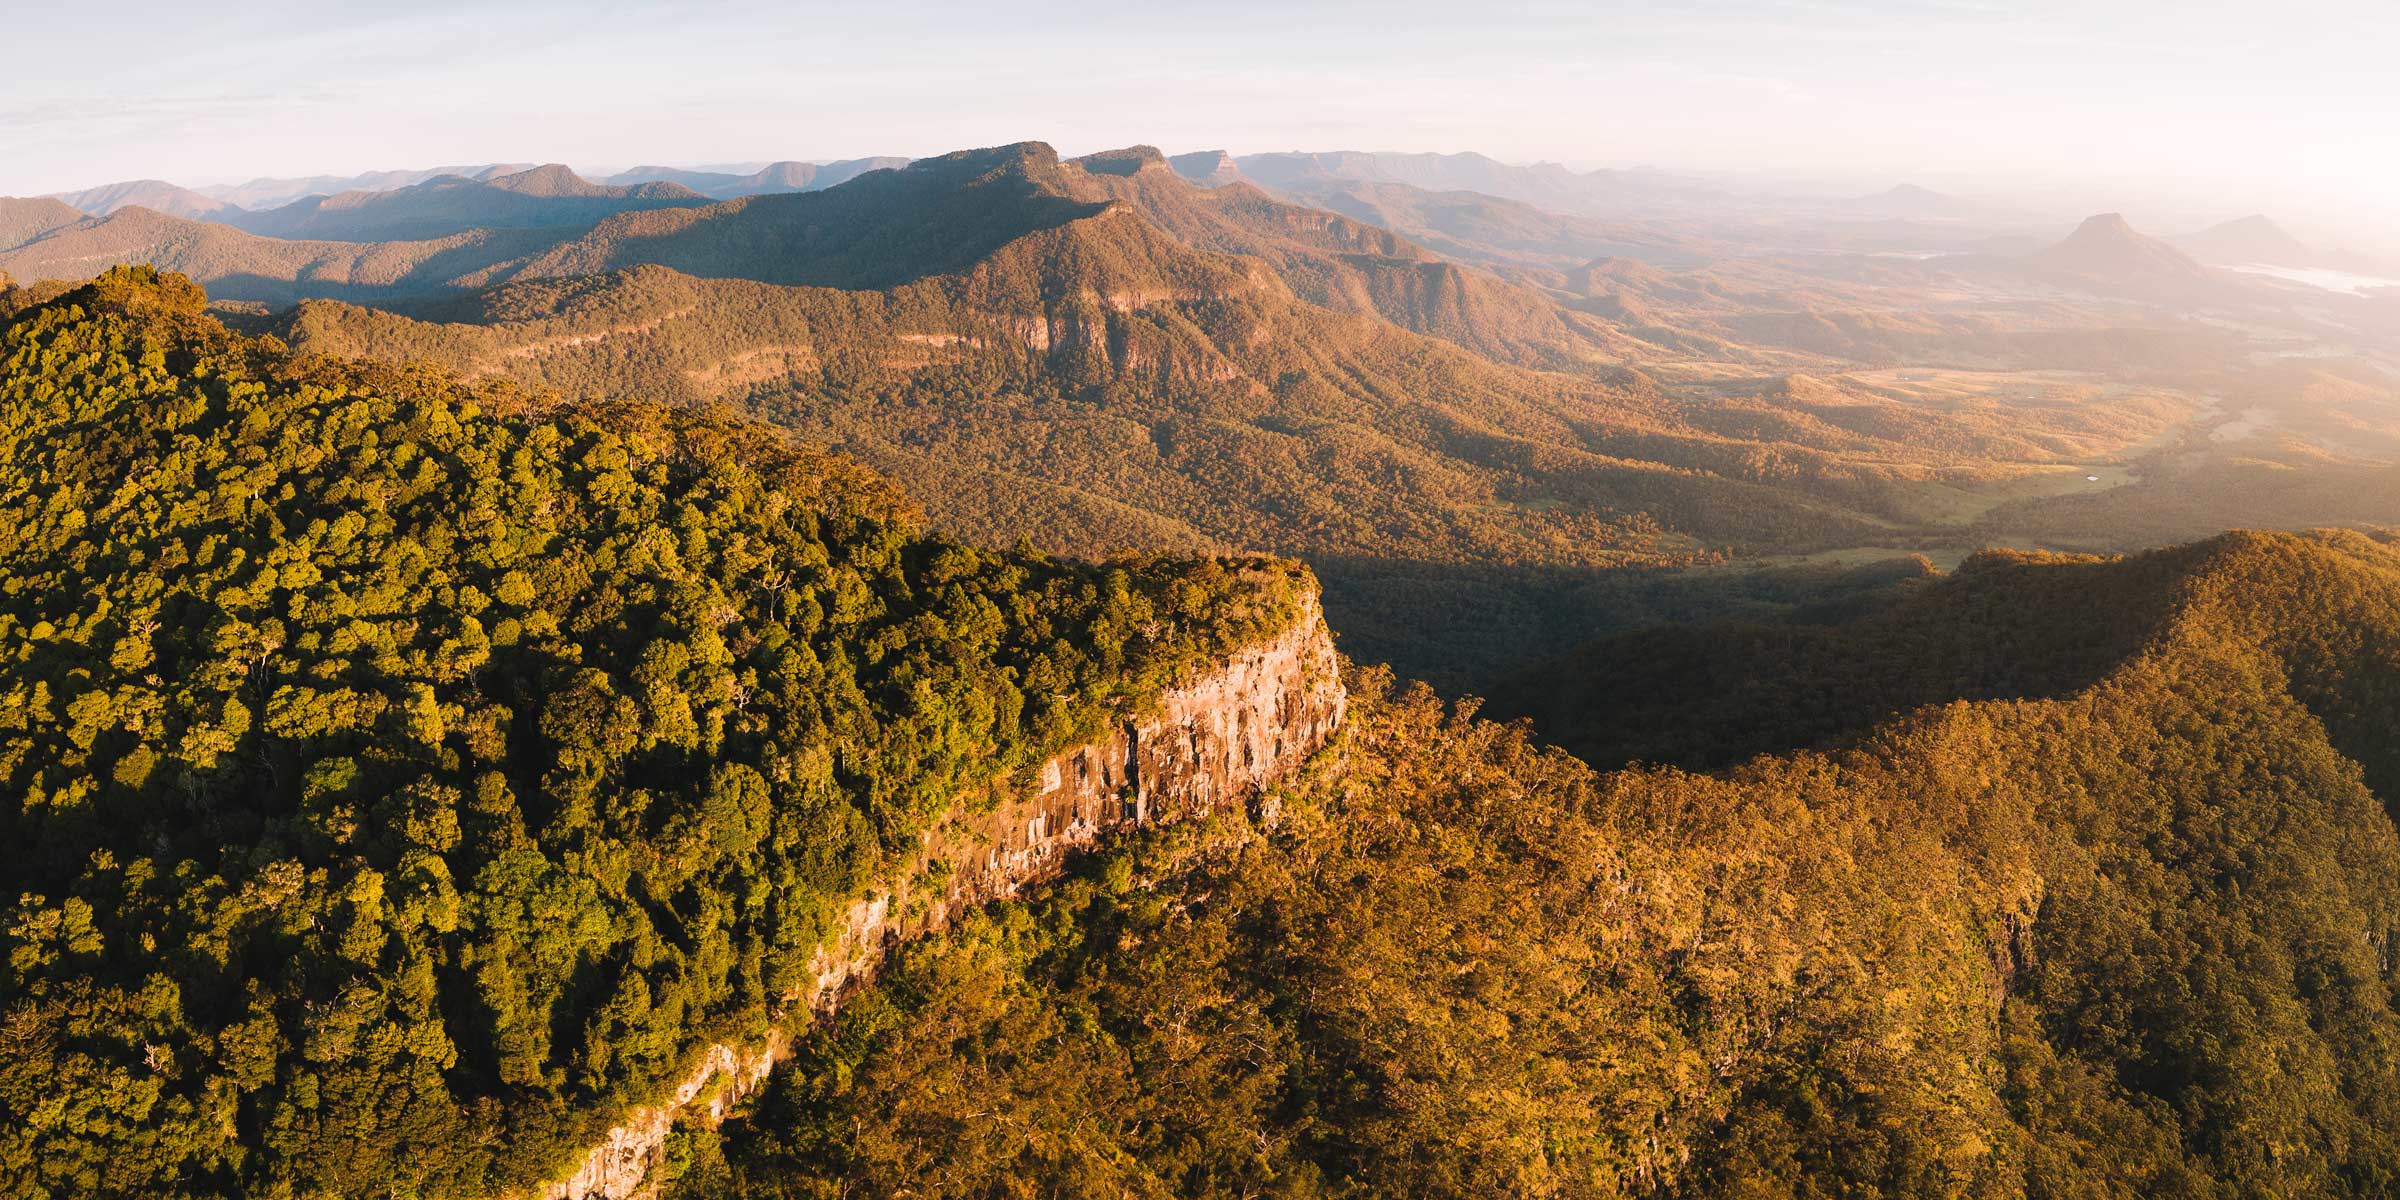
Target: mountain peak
column 2107, row 249
column 22, row 221
column 1127, row 161
column 662, row 189
column 1208, row 168
column 1028, row 158
column 549, row 179
column 2251, row 239
column 786, row 176
column 155, row 194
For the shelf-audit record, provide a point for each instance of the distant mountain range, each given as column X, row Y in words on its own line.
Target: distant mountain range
column 945, row 215
column 767, row 180
column 2107, row 255
column 270, row 193
column 1546, row 185
column 446, row 205
column 2257, row 241
column 1532, row 223
column 1354, row 231
column 154, row 194
column 1342, row 230
column 2249, row 263
column 880, row 229
column 448, row 200
column 2107, row 247
column 2248, row 240
column 1519, row 239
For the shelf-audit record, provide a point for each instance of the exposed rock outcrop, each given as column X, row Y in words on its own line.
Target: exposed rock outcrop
column 1208, row 168
column 620, row 1164
column 1219, row 740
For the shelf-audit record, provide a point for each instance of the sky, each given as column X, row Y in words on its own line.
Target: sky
column 2293, row 105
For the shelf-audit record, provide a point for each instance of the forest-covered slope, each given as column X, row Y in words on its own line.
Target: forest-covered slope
column 1094, row 318
column 250, row 267
column 1102, row 364
column 22, row 221
column 2114, row 922
column 1102, row 383
column 401, row 779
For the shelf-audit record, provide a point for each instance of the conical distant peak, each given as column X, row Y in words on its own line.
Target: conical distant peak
column 2107, row 246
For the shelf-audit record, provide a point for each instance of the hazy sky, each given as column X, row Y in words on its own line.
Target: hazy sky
column 2297, row 100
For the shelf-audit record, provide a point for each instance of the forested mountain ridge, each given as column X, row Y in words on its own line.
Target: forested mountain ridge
column 154, row 194
column 1099, row 383
column 1705, row 696
column 2120, row 928
column 1125, row 359
column 1105, row 364
column 880, row 229
column 269, row 192
column 939, row 216
column 1348, row 265
column 936, row 216
column 22, row 221
column 406, row 777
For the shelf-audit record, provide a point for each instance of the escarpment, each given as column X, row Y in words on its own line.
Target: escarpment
column 1221, row 739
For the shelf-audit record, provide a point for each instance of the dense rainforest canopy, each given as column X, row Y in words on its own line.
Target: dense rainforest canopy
column 2123, row 926
column 401, row 778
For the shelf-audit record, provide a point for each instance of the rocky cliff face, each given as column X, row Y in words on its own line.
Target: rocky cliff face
column 1220, row 740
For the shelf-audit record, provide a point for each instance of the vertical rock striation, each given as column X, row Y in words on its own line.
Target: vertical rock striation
column 1219, row 740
